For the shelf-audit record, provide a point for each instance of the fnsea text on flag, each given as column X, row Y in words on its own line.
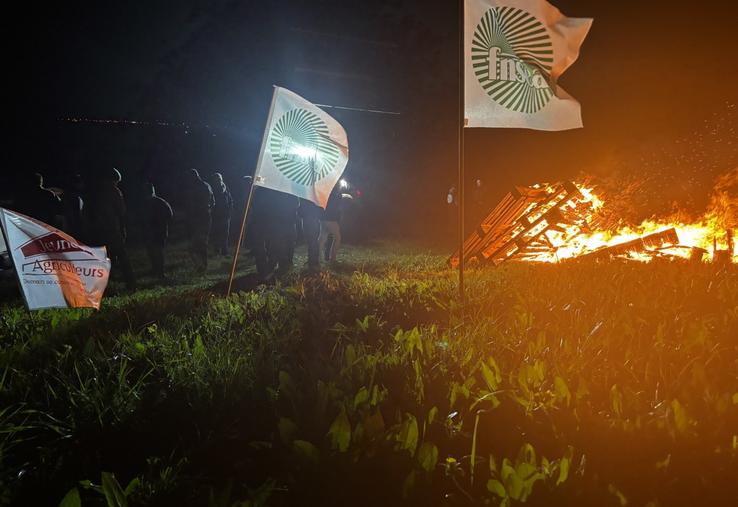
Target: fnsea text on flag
column 515, row 51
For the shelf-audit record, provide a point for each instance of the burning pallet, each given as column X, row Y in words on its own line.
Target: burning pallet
column 533, row 223
column 519, row 224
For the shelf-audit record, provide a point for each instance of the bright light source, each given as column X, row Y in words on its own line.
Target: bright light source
column 343, row 184
column 305, row 152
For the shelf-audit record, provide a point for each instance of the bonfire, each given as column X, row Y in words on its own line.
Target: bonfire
column 570, row 220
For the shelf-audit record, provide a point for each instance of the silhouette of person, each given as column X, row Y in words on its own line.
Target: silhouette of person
column 38, row 202
column 221, row 214
column 106, row 215
column 199, row 202
column 158, row 216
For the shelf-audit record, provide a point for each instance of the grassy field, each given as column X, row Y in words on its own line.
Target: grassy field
column 575, row 384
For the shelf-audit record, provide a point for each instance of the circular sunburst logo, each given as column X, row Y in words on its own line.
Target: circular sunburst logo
column 301, row 148
column 512, row 56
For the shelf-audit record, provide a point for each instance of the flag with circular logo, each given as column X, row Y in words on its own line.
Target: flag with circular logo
column 515, row 51
column 305, row 150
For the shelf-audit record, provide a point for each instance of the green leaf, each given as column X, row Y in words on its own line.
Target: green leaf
column 132, row 486
column 408, row 436
column 432, row 414
column 616, row 400
column 114, row 495
column 71, row 499
column 735, row 399
column 565, row 465
column 618, row 494
column 428, row 456
column 513, row 483
column 492, row 465
column 489, row 377
column 350, row 356
column 306, row 450
column 361, row 397
column 527, row 454
column 680, row 416
column 340, row 432
column 473, row 461
column 562, row 390
column 496, row 488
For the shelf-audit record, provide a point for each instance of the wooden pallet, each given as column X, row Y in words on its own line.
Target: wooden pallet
column 517, row 226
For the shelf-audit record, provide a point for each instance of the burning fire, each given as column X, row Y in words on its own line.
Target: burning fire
column 709, row 238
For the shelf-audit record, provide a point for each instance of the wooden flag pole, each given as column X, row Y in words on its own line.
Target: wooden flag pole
column 251, row 194
column 461, row 178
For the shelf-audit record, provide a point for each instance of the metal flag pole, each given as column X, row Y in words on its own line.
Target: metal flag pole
column 251, row 194
column 461, row 156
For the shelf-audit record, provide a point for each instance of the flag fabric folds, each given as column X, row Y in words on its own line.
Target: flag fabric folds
column 304, row 151
column 515, row 51
column 54, row 270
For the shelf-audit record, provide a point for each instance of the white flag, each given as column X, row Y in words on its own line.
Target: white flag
column 54, row 270
column 515, row 51
column 304, row 151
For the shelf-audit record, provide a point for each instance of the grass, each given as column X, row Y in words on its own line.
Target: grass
column 580, row 383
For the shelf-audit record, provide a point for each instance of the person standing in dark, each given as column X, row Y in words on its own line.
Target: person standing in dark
column 310, row 214
column 199, row 202
column 330, row 224
column 73, row 207
column 158, row 215
column 106, row 215
column 221, row 214
column 273, row 231
column 38, row 202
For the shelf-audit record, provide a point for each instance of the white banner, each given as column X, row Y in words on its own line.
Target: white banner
column 54, row 270
column 514, row 52
column 304, row 151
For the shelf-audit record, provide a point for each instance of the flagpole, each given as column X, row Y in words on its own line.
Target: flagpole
column 461, row 177
column 251, row 194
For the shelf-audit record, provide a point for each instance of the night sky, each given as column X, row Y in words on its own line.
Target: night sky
column 657, row 83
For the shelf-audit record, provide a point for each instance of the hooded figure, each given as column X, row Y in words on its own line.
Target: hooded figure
column 221, row 214
column 106, row 215
column 158, row 216
column 199, row 202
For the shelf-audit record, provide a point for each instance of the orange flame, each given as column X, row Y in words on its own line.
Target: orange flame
column 713, row 233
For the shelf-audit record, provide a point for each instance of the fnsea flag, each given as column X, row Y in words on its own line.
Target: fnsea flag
column 304, row 151
column 54, row 270
column 515, row 51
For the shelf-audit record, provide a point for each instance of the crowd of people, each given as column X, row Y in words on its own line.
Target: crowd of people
column 96, row 213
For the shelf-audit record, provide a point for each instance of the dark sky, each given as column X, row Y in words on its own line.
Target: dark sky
column 650, row 73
